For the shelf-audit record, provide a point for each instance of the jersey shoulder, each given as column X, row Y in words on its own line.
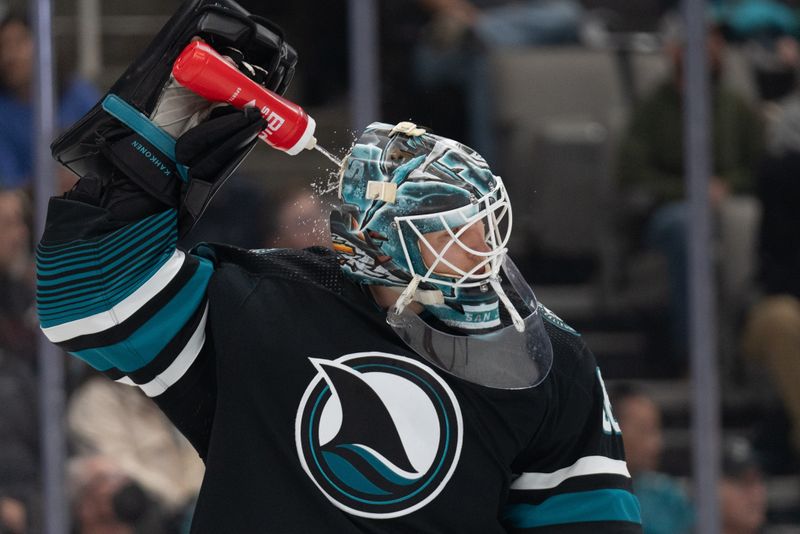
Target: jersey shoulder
column 574, row 366
column 568, row 345
column 549, row 317
column 315, row 266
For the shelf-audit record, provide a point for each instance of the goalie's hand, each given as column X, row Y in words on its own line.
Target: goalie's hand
column 135, row 185
column 176, row 158
column 208, row 150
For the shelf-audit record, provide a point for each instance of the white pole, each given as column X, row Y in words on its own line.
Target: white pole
column 89, row 39
column 51, row 363
column 702, row 318
column 364, row 71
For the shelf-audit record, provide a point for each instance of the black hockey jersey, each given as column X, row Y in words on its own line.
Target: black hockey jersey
column 311, row 415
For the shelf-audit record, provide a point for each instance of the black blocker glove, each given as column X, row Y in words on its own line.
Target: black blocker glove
column 141, row 181
column 128, row 144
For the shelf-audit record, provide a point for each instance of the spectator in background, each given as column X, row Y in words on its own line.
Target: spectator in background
column 19, row 436
column 105, row 500
column 18, row 322
column 742, row 491
column 438, row 71
column 119, row 421
column 13, row 516
column 769, row 30
column 514, row 23
column 651, row 165
column 75, row 97
column 772, row 332
column 302, row 221
column 665, row 508
column 19, row 440
column 236, row 216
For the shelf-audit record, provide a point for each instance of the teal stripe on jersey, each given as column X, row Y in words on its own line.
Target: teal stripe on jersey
column 54, row 313
column 143, row 345
column 152, row 248
column 78, row 289
column 88, row 293
column 79, row 308
column 101, row 254
column 80, row 292
column 58, row 250
column 580, row 507
column 134, row 254
column 163, row 238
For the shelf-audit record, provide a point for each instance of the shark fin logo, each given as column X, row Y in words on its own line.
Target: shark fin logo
column 379, row 434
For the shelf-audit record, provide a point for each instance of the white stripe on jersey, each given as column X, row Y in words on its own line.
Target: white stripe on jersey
column 181, row 363
column 122, row 311
column 588, row 465
column 465, row 325
column 478, row 308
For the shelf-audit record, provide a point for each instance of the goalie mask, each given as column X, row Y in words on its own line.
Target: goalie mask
column 425, row 215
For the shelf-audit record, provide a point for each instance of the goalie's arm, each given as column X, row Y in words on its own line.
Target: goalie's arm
column 113, row 289
column 124, row 299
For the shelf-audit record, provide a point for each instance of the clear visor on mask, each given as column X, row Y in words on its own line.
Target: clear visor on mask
column 503, row 359
column 492, row 212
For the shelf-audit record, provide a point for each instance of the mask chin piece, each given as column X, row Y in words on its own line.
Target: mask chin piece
column 507, row 358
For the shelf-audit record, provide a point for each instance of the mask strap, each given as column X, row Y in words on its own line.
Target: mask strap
column 407, row 295
column 519, row 324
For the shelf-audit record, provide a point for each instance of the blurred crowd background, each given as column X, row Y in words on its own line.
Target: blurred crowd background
column 577, row 104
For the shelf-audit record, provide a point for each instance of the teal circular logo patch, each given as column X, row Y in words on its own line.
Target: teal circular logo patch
column 379, row 434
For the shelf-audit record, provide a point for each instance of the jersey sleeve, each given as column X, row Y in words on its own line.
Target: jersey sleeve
column 573, row 477
column 127, row 301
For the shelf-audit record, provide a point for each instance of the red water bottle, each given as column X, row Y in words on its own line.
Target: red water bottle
column 202, row 70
